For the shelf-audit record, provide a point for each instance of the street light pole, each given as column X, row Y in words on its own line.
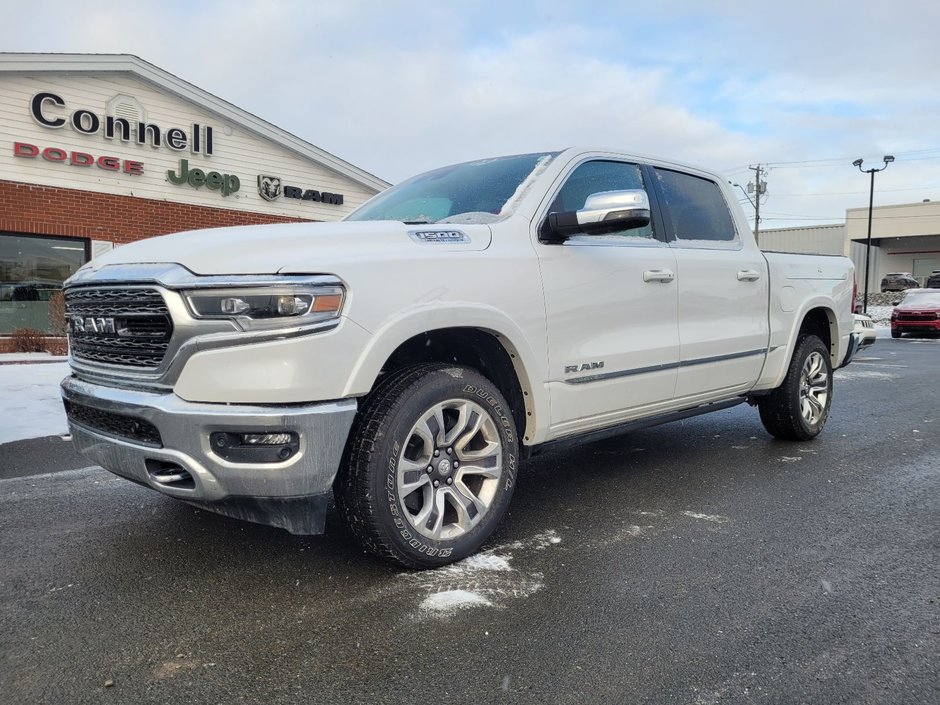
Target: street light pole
column 871, row 202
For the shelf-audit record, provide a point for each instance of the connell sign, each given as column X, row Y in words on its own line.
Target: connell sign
column 50, row 110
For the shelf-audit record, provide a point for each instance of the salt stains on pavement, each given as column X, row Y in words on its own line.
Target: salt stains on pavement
column 486, row 579
column 716, row 518
column 852, row 373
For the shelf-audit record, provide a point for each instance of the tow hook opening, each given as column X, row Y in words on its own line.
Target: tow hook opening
column 170, row 474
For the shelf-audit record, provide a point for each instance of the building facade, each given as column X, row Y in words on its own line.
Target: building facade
column 102, row 150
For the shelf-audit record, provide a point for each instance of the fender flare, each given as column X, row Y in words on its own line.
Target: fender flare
column 530, row 370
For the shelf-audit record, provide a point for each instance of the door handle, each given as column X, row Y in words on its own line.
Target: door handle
column 658, row 275
column 748, row 275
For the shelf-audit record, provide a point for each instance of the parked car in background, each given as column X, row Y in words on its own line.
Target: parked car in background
column 918, row 312
column 898, row 281
column 933, row 281
column 865, row 328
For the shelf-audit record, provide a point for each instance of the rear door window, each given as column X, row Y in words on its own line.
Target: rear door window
column 697, row 210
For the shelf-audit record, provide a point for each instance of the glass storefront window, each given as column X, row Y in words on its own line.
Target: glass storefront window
column 32, row 270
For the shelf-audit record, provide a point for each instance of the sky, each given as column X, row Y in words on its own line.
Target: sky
column 397, row 88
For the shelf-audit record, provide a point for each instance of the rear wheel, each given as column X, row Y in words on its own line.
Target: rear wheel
column 797, row 410
column 430, row 467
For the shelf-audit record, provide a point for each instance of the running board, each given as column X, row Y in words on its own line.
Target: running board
column 639, row 424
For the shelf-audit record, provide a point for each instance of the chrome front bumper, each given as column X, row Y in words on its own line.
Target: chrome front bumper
column 181, row 463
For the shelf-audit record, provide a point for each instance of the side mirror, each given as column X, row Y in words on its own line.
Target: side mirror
column 605, row 212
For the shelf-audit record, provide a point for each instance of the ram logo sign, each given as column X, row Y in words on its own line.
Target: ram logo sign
column 92, row 326
column 269, row 187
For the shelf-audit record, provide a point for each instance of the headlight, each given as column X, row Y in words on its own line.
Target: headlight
column 263, row 307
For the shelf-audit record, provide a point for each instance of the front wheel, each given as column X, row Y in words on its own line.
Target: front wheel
column 797, row 410
column 895, row 333
column 430, row 466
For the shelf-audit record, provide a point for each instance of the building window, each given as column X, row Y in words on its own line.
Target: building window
column 32, row 270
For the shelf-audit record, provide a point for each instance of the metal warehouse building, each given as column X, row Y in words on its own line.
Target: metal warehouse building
column 101, row 150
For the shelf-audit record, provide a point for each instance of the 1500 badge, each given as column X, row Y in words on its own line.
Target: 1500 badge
column 439, row 236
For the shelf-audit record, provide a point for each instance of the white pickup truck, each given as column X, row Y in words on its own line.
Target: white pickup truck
column 405, row 359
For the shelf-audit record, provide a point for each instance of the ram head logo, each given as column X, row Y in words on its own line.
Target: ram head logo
column 269, row 187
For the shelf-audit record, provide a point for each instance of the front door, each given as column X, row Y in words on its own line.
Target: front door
column 611, row 306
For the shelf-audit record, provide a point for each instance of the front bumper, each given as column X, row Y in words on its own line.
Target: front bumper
column 916, row 326
column 161, row 441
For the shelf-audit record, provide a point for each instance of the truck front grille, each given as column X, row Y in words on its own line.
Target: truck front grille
column 108, row 423
column 123, row 326
column 917, row 316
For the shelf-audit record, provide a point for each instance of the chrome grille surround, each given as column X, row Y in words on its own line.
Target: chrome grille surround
column 141, row 320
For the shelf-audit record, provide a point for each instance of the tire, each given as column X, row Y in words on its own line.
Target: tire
column 430, row 466
column 895, row 333
column 797, row 410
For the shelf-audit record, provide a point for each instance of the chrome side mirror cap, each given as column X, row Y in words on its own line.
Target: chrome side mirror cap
column 604, row 212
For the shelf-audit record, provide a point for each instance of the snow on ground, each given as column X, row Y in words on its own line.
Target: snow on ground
column 30, row 405
column 880, row 315
column 31, row 357
column 486, row 579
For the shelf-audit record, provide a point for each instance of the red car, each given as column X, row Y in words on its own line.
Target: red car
column 918, row 312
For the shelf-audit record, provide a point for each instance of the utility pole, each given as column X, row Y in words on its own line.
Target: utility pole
column 759, row 188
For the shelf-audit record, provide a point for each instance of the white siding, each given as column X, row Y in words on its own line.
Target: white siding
column 241, row 153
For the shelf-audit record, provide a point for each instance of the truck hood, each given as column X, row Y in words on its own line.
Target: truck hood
column 295, row 248
column 926, row 307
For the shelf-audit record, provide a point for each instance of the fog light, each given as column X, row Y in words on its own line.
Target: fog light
column 255, row 447
column 266, row 439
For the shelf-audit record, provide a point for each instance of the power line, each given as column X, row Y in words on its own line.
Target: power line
column 839, row 161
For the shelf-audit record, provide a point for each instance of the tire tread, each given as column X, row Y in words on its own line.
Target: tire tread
column 353, row 487
column 778, row 412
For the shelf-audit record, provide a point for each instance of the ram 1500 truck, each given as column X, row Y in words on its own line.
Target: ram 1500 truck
column 405, row 359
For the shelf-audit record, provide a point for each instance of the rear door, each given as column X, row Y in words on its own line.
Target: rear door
column 722, row 280
column 611, row 308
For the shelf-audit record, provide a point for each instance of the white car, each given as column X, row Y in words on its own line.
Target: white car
column 865, row 328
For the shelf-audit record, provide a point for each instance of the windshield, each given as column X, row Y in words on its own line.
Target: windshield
column 927, row 297
column 474, row 192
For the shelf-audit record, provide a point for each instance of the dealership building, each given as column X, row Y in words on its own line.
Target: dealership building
column 102, row 150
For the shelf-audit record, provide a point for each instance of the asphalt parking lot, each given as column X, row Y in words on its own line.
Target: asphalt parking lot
column 699, row 562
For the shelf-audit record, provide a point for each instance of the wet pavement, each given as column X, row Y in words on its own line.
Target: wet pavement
column 699, row 562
